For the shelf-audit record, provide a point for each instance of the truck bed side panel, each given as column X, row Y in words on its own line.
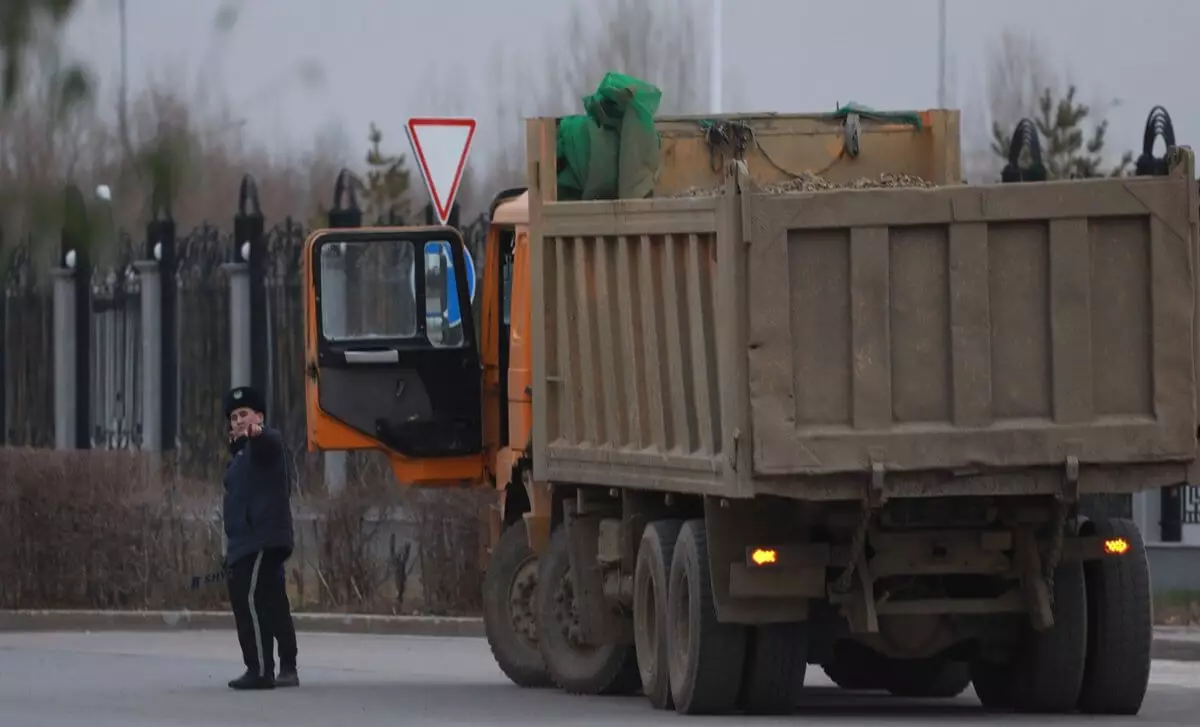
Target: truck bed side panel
column 990, row 326
column 630, row 370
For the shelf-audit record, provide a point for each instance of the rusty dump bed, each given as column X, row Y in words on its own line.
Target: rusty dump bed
column 991, row 339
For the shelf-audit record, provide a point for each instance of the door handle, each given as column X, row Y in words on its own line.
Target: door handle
column 372, row 357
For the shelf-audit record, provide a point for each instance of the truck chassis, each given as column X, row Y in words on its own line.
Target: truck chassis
column 709, row 605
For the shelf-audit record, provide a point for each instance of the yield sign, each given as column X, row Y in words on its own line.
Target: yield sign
column 441, row 146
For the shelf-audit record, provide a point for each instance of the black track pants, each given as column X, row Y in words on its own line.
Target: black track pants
column 258, row 594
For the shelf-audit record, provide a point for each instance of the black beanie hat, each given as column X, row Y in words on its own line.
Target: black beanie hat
column 246, row 396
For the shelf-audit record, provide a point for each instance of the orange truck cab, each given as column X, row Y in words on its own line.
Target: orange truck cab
column 443, row 423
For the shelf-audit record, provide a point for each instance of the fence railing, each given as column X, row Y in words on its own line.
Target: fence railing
column 1191, row 505
column 75, row 358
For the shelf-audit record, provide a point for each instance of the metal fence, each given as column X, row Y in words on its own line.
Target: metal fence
column 1191, row 505
column 197, row 347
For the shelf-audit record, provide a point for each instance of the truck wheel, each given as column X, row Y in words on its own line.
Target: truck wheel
column 576, row 667
column 932, row 678
column 705, row 656
column 508, row 591
column 650, row 609
column 1120, row 624
column 1047, row 672
column 854, row 667
column 776, row 659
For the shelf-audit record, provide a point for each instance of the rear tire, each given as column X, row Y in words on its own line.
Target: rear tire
column 1120, row 624
column 575, row 667
column 650, row 609
column 776, row 659
column 509, row 586
column 1046, row 674
column 706, row 657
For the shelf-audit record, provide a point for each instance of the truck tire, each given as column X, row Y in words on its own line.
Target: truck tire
column 854, row 667
column 706, row 657
column 1047, row 672
column 933, row 678
column 1120, row 624
column 776, row 659
column 508, row 590
column 576, row 667
column 650, row 609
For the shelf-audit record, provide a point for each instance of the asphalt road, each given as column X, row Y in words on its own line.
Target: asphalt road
column 177, row 679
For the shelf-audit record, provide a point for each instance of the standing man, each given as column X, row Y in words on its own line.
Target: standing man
column 259, row 539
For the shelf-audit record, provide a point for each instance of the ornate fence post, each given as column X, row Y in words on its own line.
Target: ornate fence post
column 247, row 237
column 334, row 297
column 152, row 346
column 248, row 230
column 160, row 242
column 72, row 318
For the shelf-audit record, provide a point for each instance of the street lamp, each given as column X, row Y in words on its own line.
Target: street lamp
column 715, row 64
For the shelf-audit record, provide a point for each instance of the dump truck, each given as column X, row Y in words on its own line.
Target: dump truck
column 757, row 423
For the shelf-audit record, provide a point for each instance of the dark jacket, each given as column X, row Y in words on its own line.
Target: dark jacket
column 258, row 513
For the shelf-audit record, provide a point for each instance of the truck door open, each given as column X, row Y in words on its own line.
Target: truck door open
column 391, row 356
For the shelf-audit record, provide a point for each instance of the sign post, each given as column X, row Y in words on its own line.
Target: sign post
column 441, row 146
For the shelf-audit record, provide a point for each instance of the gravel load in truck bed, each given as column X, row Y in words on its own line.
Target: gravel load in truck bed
column 808, row 182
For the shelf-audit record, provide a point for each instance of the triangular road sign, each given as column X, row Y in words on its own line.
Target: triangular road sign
column 441, row 146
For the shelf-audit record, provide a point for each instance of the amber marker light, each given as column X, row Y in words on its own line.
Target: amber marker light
column 764, row 556
column 1116, row 546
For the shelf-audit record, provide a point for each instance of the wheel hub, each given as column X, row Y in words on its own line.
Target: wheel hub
column 565, row 613
column 520, row 602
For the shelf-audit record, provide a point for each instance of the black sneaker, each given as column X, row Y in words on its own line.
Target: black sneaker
column 287, row 677
column 253, row 681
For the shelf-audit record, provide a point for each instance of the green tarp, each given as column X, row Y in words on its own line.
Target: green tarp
column 611, row 151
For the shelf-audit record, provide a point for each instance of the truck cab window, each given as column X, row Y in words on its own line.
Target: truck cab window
column 367, row 290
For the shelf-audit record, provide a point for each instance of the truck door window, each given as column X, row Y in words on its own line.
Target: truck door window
column 443, row 309
column 506, row 271
column 367, row 291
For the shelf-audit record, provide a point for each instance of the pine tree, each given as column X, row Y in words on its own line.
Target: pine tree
column 1067, row 151
column 387, row 186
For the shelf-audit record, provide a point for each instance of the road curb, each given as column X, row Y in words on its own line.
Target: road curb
column 1172, row 645
column 1176, row 646
column 52, row 620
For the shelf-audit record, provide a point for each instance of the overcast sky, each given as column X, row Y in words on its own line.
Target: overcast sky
column 381, row 59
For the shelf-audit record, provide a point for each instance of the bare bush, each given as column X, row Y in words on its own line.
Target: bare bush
column 111, row 530
column 102, row 530
column 378, row 547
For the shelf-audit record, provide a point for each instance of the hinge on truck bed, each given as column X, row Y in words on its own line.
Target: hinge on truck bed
column 876, row 492
column 1069, row 492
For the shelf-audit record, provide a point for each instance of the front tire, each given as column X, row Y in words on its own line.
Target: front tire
column 932, row 678
column 1046, row 674
column 776, row 660
column 576, row 667
column 508, row 591
column 854, row 667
